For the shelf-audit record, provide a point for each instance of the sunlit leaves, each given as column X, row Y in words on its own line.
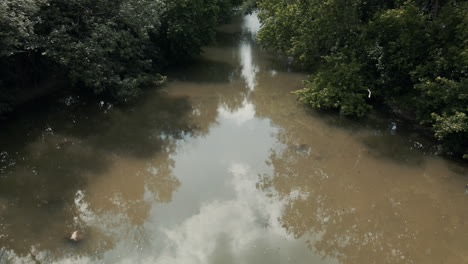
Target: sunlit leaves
column 340, row 86
column 17, row 21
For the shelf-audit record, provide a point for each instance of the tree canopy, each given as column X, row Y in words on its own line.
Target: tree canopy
column 409, row 55
column 112, row 47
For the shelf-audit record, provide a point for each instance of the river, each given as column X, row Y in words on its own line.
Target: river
column 224, row 166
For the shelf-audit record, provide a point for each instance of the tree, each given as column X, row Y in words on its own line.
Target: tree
column 17, row 40
column 17, row 21
column 409, row 55
column 103, row 44
column 113, row 48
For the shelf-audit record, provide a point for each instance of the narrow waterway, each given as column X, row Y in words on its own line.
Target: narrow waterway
column 224, row 166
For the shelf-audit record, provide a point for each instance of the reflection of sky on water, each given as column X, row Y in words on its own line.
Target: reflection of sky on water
column 240, row 230
column 217, row 216
column 249, row 69
column 240, row 115
column 251, row 26
column 244, row 229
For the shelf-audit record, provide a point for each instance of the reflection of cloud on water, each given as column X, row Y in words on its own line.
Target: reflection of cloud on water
column 240, row 221
column 244, row 229
column 240, row 115
column 250, row 25
column 234, row 231
column 249, row 69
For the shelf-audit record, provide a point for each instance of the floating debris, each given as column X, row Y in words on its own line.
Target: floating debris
column 75, row 236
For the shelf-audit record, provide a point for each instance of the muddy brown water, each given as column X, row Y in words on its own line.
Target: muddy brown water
column 224, row 166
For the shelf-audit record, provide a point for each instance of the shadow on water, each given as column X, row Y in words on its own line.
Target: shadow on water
column 47, row 157
column 361, row 217
column 385, row 136
column 205, row 71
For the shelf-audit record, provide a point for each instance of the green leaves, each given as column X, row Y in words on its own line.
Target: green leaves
column 403, row 41
column 338, row 86
column 114, row 47
column 17, row 21
column 103, row 46
column 410, row 53
column 187, row 26
column 448, row 124
column 452, row 129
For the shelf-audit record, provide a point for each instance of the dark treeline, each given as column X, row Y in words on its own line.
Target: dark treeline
column 411, row 56
column 110, row 47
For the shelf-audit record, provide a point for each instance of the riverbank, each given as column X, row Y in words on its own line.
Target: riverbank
column 360, row 55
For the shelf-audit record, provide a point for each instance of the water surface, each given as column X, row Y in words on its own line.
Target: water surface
column 224, row 166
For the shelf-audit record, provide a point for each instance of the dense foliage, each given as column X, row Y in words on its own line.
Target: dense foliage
column 409, row 55
column 113, row 47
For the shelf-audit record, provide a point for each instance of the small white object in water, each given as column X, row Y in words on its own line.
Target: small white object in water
column 74, row 236
column 370, row 93
column 393, row 128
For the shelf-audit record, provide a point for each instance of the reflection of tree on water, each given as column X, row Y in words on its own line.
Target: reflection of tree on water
column 121, row 160
column 353, row 206
column 117, row 163
column 224, row 63
column 361, row 226
column 207, row 96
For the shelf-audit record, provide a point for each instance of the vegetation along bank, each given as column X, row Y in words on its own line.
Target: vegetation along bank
column 411, row 56
column 110, row 47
